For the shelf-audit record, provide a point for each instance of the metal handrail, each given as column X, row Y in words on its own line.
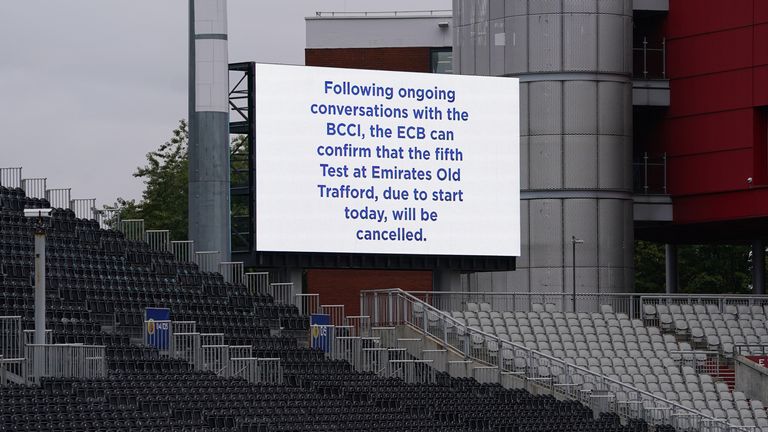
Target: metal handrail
column 530, row 354
column 433, row 12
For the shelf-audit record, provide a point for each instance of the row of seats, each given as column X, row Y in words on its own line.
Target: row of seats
column 623, row 349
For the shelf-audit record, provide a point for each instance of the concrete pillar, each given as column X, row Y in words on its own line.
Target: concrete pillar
column 574, row 62
column 671, row 268
column 758, row 267
column 296, row 277
column 209, row 210
column 446, row 280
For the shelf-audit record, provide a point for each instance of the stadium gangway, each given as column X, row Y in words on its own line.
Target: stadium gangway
column 395, row 307
column 207, row 351
column 65, row 361
column 12, row 354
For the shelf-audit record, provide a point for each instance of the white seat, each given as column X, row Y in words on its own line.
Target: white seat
column 473, row 307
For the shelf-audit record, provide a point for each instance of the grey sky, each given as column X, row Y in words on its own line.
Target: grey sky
column 88, row 87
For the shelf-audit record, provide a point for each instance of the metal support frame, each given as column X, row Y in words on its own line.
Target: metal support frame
column 242, row 114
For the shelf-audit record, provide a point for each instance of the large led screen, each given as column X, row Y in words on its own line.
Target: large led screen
column 360, row 161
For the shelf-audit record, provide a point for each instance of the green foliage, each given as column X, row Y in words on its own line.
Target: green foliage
column 163, row 203
column 702, row 269
column 649, row 267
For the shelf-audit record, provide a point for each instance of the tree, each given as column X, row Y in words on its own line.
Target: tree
column 702, row 269
column 163, row 203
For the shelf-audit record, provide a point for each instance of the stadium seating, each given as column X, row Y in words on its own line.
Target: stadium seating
column 98, row 284
column 660, row 361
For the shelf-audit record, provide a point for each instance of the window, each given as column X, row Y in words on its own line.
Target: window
column 442, row 60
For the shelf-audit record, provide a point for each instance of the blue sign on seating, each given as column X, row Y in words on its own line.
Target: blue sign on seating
column 319, row 325
column 157, row 327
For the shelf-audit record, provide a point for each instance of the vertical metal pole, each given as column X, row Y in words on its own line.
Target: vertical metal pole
column 664, row 158
column 645, row 173
column 664, row 57
column 758, row 267
column 40, row 286
column 645, row 57
column 573, row 245
column 671, row 267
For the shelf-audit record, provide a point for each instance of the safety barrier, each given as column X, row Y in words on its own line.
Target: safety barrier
column 34, row 187
column 12, row 355
column 108, row 218
column 281, row 292
column 257, row 370
column 133, row 229
column 208, row 352
column 232, row 272
column 65, row 361
column 183, row 250
column 257, row 282
column 208, row 261
column 84, row 208
column 308, row 304
column 58, row 198
column 159, row 240
column 336, row 312
column 360, row 324
column 10, row 177
column 601, row 393
column 29, row 337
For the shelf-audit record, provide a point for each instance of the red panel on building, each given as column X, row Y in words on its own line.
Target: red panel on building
column 411, row 59
column 711, row 93
column 710, row 172
column 688, row 17
column 344, row 286
column 695, row 55
column 715, row 132
column 706, row 133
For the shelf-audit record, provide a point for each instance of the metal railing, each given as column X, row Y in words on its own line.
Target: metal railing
column 183, row 251
column 34, row 187
column 629, row 304
column 232, row 272
column 349, row 14
column 84, row 208
column 108, row 218
column 368, row 354
column 133, row 229
column 208, row 261
column 599, row 392
column 58, row 198
column 650, row 60
column 650, row 175
column 10, row 177
column 207, row 352
column 308, row 304
column 281, row 292
column 159, row 240
column 12, row 354
column 65, row 361
column 257, row 283
column 336, row 312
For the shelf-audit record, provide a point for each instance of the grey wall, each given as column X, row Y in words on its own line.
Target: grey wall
column 378, row 31
column 574, row 61
column 751, row 379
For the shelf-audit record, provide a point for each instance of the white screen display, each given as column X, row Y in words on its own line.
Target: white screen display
column 359, row 161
